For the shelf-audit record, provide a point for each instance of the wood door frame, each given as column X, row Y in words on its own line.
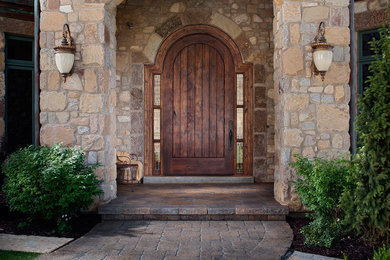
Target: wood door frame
column 239, row 68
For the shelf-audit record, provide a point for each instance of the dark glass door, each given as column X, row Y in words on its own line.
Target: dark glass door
column 19, row 76
column 19, row 108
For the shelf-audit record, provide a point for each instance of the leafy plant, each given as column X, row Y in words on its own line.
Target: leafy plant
column 49, row 183
column 23, row 225
column 383, row 253
column 16, row 255
column 319, row 188
column 366, row 200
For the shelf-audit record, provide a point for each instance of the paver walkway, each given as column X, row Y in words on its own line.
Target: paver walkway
column 180, row 240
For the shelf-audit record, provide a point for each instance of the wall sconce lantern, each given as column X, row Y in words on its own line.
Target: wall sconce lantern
column 64, row 54
column 322, row 52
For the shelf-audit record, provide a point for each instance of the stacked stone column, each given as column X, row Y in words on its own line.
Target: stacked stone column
column 80, row 112
column 312, row 116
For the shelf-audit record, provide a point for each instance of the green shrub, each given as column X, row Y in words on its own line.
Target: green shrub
column 319, row 187
column 50, row 183
column 16, row 255
column 383, row 253
column 366, row 200
column 23, row 225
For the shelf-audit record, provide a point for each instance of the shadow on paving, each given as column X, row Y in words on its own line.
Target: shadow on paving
column 180, row 240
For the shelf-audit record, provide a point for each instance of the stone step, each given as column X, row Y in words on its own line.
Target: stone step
column 191, row 213
column 198, row 179
column 219, row 201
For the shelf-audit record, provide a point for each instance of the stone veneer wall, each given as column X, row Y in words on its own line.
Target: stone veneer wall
column 312, row 117
column 14, row 26
column 370, row 5
column 370, row 14
column 143, row 25
column 80, row 112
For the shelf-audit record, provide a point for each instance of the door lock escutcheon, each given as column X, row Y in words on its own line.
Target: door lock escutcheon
column 231, row 135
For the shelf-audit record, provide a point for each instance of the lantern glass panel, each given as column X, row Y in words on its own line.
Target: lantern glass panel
column 64, row 62
column 322, row 59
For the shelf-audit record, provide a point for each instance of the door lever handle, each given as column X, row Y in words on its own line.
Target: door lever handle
column 230, row 135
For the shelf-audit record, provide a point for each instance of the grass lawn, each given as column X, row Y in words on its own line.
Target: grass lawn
column 15, row 255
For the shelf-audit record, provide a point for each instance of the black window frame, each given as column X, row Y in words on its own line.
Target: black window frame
column 363, row 59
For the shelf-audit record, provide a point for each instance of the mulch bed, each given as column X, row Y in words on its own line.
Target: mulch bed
column 353, row 248
column 9, row 224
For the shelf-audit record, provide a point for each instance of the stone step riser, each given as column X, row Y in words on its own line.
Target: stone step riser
column 111, row 217
column 197, row 180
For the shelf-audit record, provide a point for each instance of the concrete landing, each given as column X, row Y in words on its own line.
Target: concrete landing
column 198, row 179
column 32, row 244
column 194, row 202
column 306, row 256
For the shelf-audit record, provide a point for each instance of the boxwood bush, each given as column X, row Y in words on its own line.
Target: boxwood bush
column 319, row 186
column 50, row 183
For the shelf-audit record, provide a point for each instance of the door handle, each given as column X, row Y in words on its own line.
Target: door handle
column 230, row 135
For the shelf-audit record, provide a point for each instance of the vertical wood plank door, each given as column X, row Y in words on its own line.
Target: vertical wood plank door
column 197, row 108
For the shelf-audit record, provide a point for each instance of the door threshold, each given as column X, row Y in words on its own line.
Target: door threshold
column 199, row 179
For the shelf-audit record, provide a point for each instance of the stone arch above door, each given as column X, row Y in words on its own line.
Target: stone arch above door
column 238, row 67
column 199, row 29
column 225, row 24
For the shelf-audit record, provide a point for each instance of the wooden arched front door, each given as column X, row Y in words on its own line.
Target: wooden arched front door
column 197, row 107
column 190, row 93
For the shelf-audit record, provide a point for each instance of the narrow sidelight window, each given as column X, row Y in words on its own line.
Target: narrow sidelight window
column 240, row 157
column 240, row 124
column 157, row 158
column 156, row 125
column 240, row 89
column 157, row 87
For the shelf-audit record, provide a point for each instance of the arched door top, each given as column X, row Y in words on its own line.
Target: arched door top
column 199, row 29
